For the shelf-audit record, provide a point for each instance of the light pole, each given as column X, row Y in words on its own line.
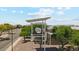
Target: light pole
column 11, row 39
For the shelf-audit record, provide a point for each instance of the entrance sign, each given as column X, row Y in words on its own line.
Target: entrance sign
column 39, row 31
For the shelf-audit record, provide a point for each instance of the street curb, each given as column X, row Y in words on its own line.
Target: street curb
column 14, row 44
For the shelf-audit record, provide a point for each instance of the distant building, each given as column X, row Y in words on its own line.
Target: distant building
column 76, row 27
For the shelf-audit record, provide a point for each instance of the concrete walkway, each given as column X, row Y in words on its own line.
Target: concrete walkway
column 14, row 44
column 29, row 46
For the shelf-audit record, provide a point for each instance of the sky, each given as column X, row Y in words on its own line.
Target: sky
column 59, row 15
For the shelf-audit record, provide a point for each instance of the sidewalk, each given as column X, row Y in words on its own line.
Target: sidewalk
column 14, row 44
column 29, row 46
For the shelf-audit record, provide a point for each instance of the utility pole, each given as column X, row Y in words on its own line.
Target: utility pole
column 12, row 39
column 11, row 33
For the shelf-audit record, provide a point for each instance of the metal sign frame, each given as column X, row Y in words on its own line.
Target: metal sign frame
column 44, row 34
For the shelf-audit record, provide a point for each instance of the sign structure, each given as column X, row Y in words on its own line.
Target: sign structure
column 39, row 30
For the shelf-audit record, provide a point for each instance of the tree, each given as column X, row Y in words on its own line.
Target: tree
column 1, row 28
column 5, row 27
column 25, row 31
column 8, row 26
column 18, row 26
column 75, row 38
column 62, row 34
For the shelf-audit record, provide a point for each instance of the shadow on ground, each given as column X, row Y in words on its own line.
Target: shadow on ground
column 49, row 49
column 25, row 41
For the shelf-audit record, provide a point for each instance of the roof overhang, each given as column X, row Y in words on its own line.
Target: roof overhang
column 38, row 19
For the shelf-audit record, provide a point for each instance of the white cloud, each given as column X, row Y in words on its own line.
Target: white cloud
column 13, row 11
column 42, row 12
column 63, row 19
column 21, row 11
column 61, row 12
column 63, row 8
column 3, row 9
column 33, row 14
column 67, row 8
column 60, row 8
column 46, row 11
column 59, row 19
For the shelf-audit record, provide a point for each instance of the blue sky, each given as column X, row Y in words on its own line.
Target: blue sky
column 59, row 15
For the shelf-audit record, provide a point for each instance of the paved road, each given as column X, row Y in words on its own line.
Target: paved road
column 6, row 43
